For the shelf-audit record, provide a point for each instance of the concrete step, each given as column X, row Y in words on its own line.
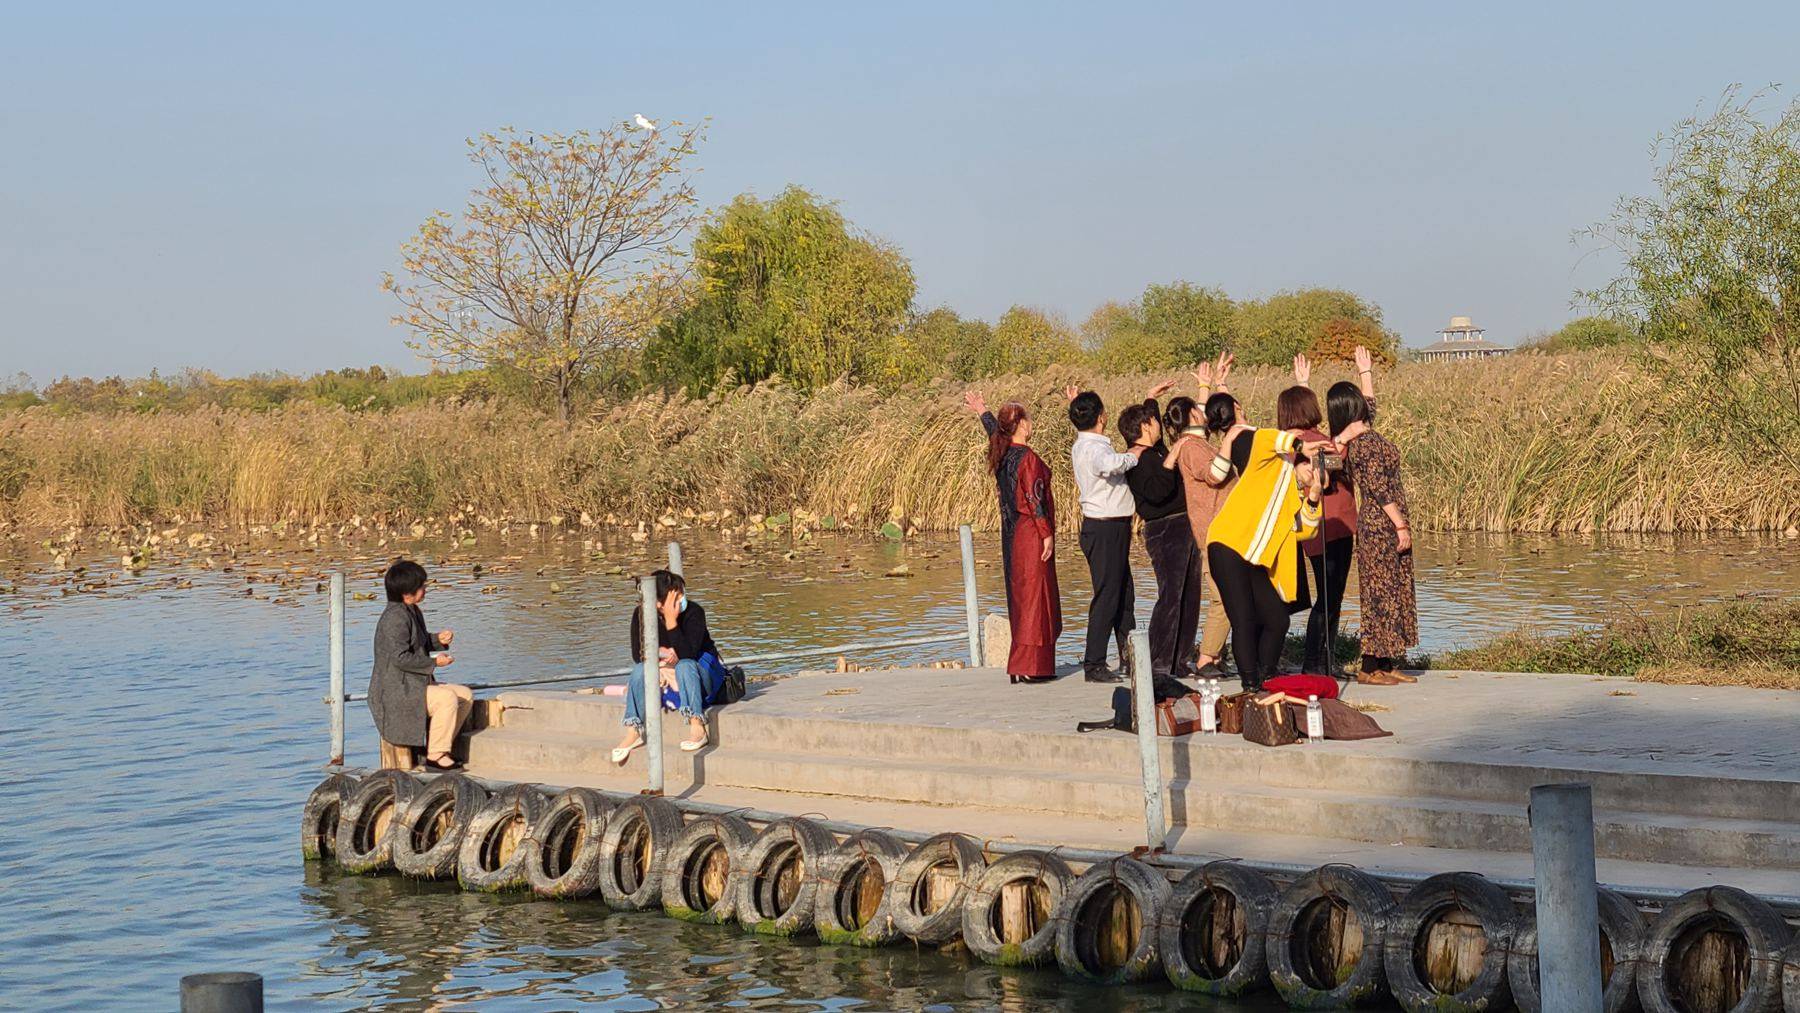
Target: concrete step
column 1416, row 819
column 1220, row 759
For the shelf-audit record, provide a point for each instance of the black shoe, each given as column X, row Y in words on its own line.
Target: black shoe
column 1100, row 674
column 1210, row 670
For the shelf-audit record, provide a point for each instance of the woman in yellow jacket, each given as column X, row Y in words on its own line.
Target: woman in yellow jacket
column 1253, row 543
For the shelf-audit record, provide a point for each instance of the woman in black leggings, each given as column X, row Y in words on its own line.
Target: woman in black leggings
column 1253, row 543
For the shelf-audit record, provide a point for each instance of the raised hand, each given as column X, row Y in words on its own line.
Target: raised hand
column 1222, row 369
column 1365, row 363
column 1071, row 391
column 1160, row 389
column 974, row 402
column 1302, row 370
column 1203, row 375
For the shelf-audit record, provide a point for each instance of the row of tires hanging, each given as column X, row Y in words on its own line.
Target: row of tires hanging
column 1332, row 938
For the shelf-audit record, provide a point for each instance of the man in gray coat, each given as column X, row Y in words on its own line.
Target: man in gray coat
column 410, row 706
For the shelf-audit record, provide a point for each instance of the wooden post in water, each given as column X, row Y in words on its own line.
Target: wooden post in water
column 971, row 604
column 1156, row 827
column 652, row 628
column 675, row 559
column 222, row 992
column 1568, row 906
column 337, row 668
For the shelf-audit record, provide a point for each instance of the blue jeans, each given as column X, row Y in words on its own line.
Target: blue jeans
column 687, row 680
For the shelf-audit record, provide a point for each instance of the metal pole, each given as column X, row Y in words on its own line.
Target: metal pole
column 1144, row 707
column 1568, row 909
column 222, row 992
column 652, row 625
column 675, row 559
column 337, row 667
column 971, row 603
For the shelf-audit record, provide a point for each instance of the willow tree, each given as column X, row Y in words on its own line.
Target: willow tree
column 563, row 261
column 1712, row 269
column 786, row 287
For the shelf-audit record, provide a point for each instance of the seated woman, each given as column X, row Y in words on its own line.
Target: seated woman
column 687, row 663
column 410, row 706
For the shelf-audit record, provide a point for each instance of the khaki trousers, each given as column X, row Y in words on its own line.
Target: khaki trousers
column 1217, row 628
column 447, row 706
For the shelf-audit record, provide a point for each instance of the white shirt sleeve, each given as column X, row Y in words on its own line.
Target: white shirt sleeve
column 1109, row 462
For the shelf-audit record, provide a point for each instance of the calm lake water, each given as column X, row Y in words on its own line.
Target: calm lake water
column 166, row 726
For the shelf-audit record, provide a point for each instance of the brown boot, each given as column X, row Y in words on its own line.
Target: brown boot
column 1376, row 679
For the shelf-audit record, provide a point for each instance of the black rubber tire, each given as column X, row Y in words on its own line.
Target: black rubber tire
column 442, row 806
column 1487, row 904
column 978, row 931
column 1252, row 897
column 1373, row 908
column 758, row 908
column 563, row 860
column 480, row 864
column 1076, row 941
column 1766, row 938
column 944, row 924
column 681, row 897
column 1790, row 977
column 1623, row 927
column 369, row 819
column 840, row 878
column 646, row 820
column 319, row 817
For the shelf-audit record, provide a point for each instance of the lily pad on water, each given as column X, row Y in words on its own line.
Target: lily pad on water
column 893, row 531
column 778, row 521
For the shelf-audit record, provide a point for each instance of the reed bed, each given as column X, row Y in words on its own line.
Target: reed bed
column 1579, row 442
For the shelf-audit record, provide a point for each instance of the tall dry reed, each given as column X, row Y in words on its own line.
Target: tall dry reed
column 1578, row 442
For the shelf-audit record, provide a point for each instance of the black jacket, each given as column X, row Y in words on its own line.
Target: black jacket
column 1158, row 490
column 689, row 638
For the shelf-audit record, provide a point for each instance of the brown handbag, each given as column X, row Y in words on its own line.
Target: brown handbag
column 1231, row 713
column 1269, row 724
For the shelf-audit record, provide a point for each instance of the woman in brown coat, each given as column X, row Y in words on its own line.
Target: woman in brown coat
column 1384, row 562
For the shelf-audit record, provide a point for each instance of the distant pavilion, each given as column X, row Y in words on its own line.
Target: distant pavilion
column 1461, row 340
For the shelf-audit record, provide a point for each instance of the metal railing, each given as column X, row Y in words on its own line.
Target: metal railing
column 337, row 697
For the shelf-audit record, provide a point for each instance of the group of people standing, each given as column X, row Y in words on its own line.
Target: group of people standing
column 1257, row 517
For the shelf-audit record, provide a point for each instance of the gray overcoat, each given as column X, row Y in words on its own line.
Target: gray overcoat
column 403, row 668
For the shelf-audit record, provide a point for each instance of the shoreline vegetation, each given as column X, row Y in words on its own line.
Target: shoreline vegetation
column 1558, row 443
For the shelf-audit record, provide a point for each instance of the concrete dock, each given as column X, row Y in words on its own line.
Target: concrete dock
column 1692, row 785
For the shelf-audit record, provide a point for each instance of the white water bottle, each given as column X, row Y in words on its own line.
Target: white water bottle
column 1315, row 719
column 1209, row 715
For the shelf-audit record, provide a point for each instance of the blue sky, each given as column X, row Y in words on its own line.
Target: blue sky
column 222, row 185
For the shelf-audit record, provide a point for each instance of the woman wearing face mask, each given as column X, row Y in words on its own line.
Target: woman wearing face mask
column 687, row 661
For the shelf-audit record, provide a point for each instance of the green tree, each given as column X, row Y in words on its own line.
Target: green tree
column 786, row 287
column 1028, row 339
column 1712, row 268
column 940, row 343
column 1195, row 322
column 1587, row 332
column 561, row 264
column 1272, row 331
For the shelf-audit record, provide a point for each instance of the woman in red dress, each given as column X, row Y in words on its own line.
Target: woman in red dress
column 1027, row 541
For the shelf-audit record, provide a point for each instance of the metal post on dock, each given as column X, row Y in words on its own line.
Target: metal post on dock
column 652, row 627
column 971, row 602
column 1144, row 708
column 675, row 558
column 1568, row 910
column 337, row 668
column 222, row 992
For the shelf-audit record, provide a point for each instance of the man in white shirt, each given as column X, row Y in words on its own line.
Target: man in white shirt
column 1106, row 511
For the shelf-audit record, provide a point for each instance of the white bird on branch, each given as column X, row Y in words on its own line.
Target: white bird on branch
column 644, row 123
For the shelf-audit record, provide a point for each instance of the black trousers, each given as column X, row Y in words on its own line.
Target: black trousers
column 1331, row 572
column 1112, row 613
column 1258, row 614
column 1176, row 618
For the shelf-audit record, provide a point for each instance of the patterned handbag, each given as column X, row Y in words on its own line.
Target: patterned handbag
column 1269, row 724
column 1180, row 716
column 1231, row 713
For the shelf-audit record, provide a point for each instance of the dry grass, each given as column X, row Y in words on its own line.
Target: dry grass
column 1535, row 443
column 1740, row 642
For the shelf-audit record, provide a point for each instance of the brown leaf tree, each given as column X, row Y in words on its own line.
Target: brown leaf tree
column 563, row 260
